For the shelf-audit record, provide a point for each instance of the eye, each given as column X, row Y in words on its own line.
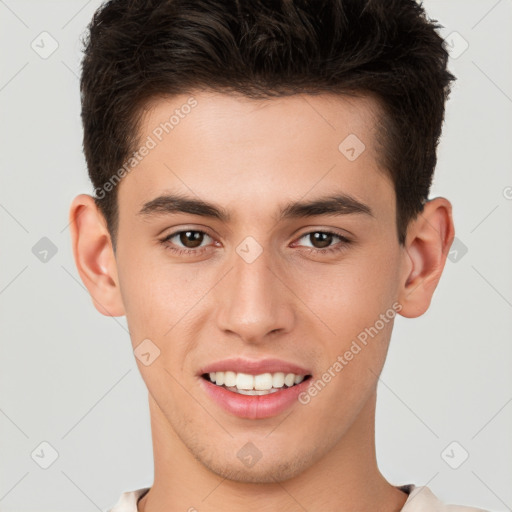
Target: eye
column 322, row 241
column 190, row 241
column 186, row 241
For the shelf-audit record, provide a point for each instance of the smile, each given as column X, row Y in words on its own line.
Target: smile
column 261, row 384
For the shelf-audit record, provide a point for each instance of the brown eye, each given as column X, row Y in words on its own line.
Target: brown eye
column 191, row 239
column 320, row 239
column 186, row 240
column 325, row 242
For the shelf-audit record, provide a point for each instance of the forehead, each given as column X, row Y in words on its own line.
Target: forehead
column 240, row 120
column 252, row 154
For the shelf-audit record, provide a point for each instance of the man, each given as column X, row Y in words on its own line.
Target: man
column 260, row 215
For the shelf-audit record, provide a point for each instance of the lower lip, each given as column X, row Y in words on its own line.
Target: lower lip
column 254, row 406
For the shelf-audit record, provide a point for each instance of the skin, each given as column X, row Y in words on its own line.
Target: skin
column 251, row 157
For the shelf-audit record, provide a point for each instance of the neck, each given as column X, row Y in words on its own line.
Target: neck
column 346, row 479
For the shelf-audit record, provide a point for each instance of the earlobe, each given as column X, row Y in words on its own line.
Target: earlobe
column 94, row 255
column 428, row 242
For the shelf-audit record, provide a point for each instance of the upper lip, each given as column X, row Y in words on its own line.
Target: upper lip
column 254, row 366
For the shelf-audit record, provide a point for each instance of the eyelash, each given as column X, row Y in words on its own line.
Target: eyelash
column 345, row 242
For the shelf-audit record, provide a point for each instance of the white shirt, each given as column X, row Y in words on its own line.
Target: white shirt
column 421, row 499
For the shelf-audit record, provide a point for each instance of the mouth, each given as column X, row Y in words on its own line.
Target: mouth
column 254, row 388
column 255, row 385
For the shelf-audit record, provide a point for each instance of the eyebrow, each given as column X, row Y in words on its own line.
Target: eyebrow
column 338, row 204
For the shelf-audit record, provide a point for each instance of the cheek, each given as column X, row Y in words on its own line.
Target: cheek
column 161, row 299
column 350, row 301
column 353, row 292
column 149, row 294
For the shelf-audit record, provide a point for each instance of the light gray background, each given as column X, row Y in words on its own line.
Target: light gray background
column 68, row 376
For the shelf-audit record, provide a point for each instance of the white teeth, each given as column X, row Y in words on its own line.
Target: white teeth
column 253, row 391
column 229, row 379
column 289, row 380
column 244, row 381
column 278, row 380
column 263, row 381
column 248, row 384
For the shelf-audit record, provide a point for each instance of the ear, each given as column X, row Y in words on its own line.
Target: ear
column 428, row 241
column 94, row 255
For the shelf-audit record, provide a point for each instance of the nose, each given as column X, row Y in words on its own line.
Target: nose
column 255, row 304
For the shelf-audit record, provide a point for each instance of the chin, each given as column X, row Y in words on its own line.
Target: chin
column 262, row 472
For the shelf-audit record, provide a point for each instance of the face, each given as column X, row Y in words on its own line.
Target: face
column 255, row 284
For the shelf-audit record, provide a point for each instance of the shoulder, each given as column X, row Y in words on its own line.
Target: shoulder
column 128, row 500
column 422, row 499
